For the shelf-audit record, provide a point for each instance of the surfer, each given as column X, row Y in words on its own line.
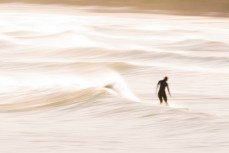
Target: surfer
column 162, row 94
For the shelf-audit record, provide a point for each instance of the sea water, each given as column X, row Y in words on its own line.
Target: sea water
column 73, row 79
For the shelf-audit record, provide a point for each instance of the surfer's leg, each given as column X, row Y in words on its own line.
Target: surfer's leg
column 160, row 98
column 165, row 99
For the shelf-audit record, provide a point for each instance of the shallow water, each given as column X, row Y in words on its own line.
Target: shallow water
column 76, row 80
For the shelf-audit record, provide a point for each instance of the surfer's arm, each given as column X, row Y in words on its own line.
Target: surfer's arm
column 168, row 89
column 157, row 86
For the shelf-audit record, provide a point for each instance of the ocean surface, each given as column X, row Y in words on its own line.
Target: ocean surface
column 82, row 80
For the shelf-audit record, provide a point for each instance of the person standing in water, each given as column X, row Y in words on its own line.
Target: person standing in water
column 162, row 94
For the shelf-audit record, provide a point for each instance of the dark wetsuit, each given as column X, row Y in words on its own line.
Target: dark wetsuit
column 161, row 94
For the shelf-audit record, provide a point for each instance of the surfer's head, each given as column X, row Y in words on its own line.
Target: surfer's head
column 166, row 78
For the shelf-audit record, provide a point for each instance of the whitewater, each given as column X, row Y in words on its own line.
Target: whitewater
column 83, row 79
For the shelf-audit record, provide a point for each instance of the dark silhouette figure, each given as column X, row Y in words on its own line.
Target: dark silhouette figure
column 162, row 94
